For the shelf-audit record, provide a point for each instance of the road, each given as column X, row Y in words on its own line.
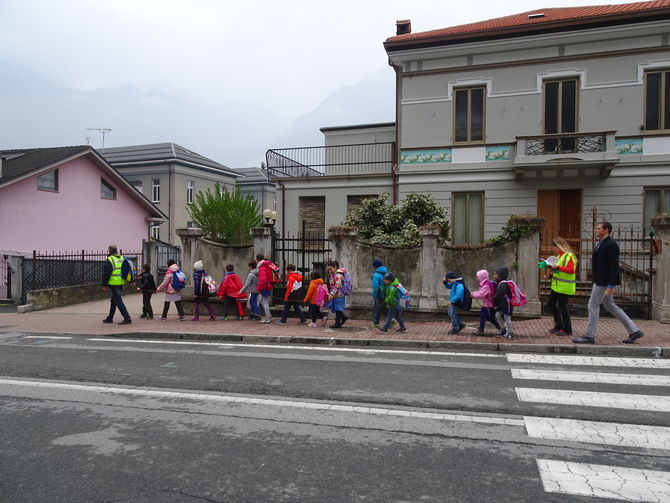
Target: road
column 101, row 419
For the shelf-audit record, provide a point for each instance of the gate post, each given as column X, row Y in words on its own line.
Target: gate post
column 429, row 264
column 263, row 241
column 344, row 241
column 189, row 238
column 528, row 253
column 660, row 306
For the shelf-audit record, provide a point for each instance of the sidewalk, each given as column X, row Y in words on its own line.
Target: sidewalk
column 532, row 335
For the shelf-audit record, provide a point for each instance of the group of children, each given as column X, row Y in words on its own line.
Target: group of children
column 496, row 296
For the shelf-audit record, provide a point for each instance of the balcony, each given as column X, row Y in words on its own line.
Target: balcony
column 565, row 155
column 336, row 160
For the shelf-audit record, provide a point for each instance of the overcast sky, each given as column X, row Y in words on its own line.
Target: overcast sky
column 234, row 77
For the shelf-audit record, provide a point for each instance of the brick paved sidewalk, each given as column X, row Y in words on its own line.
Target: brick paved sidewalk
column 87, row 319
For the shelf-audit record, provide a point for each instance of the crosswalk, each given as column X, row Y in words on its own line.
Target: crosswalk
column 626, row 483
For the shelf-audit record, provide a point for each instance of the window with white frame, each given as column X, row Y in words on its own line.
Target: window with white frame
column 48, row 181
column 155, row 190
column 469, row 114
column 467, row 211
column 190, row 187
column 657, row 100
column 155, row 231
column 106, row 190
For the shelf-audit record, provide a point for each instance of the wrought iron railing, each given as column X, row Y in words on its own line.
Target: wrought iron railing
column 564, row 143
column 354, row 159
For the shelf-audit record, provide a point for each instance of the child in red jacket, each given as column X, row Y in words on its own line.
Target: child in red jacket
column 229, row 290
column 292, row 296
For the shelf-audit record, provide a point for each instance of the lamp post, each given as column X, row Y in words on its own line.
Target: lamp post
column 270, row 217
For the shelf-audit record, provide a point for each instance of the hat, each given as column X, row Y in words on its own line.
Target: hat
column 377, row 263
column 198, row 266
column 389, row 276
column 452, row 275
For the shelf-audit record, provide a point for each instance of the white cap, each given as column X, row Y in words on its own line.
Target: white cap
column 198, row 266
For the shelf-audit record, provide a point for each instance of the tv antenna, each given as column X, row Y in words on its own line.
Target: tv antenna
column 88, row 139
column 103, row 131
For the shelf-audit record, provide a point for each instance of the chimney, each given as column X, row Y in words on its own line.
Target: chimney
column 403, row 27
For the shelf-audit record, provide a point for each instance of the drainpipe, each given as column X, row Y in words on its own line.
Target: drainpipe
column 396, row 150
column 283, row 208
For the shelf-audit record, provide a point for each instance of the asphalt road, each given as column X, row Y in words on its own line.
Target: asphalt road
column 91, row 419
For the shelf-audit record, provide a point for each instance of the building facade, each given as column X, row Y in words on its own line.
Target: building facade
column 170, row 176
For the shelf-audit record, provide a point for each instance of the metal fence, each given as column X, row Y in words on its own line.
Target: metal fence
column 61, row 269
column 5, row 277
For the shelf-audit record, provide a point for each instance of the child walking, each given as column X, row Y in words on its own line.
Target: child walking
column 229, row 290
column 148, row 287
column 290, row 301
column 456, row 287
column 317, row 295
column 200, row 292
column 487, row 289
column 251, row 286
column 171, row 295
column 265, row 285
column 501, row 301
column 337, row 297
column 392, row 300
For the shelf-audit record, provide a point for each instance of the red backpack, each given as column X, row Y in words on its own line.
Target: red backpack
column 516, row 296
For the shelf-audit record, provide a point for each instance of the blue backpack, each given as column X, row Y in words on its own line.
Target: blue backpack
column 403, row 297
column 178, row 280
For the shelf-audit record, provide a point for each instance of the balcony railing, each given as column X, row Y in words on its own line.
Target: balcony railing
column 358, row 159
column 564, row 143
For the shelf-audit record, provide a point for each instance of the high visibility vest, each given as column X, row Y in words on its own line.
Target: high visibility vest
column 562, row 282
column 115, row 278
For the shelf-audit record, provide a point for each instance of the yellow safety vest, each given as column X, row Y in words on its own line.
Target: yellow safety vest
column 115, row 278
column 562, row 282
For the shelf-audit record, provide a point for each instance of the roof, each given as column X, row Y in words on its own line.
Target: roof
column 530, row 22
column 357, row 126
column 252, row 175
column 159, row 152
column 21, row 163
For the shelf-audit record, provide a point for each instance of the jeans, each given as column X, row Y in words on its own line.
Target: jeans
column 147, row 310
column 558, row 305
column 116, row 301
column 487, row 314
column 393, row 312
column 599, row 296
column 253, row 304
column 287, row 307
column 379, row 308
column 505, row 321
column 265, row 302
column 453, row 314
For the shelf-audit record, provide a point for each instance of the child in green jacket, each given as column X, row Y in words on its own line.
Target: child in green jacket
column 392, row 299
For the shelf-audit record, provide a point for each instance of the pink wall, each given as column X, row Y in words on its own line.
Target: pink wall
column 74, row 218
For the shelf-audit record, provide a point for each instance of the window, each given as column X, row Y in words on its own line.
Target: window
column 656, row 200
column 657, row 100
column 560, row 113
column 467, row 210
column 106, row 190
column 469, row 114
column 190, row 185
column 48, row 181
column 137, row 184
column 155, row 191
column 354, row 202
column 189, row 224
column 312, row 211
column 155, row 231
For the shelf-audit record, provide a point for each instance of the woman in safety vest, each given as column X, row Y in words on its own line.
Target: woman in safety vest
column 563, row 284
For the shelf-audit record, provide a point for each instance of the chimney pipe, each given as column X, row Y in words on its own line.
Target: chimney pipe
column 403, row 27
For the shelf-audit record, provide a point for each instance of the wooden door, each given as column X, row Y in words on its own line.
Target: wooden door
column 561, row 210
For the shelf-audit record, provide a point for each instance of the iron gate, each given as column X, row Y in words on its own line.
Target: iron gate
column 5, row 277
column 165, row 252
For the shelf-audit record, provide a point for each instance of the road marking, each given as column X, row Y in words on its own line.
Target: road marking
column 46, row 337
column 588, row 361
column 595, row 399
column 591, row 377
column 150, row 393
column 594, row 432
column 602, row 481
column 292, row 346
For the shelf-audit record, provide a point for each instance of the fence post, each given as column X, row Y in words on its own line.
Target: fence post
column 263, row 241
column 82, row 267
column 189, row 238
column 344, row 240
column 661, row 291
column 33, row 278
column 528, row 252
column 429, row 264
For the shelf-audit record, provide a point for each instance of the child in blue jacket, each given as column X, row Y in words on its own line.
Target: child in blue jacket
column 456, row 290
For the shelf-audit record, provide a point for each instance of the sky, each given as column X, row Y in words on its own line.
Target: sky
column 226, row 79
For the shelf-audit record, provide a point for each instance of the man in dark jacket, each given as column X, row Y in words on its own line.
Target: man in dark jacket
column 605, row 267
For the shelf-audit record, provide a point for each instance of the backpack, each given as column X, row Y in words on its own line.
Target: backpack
column 466, row 302
column 178, row 280
column 321, row 296
column 516, row 296
column 132, row 272
column 346, row 288
column 211, row 285
column 276, row 272
column 403, row 297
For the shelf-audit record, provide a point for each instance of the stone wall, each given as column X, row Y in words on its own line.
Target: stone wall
column 39, row 300
column 661, row 286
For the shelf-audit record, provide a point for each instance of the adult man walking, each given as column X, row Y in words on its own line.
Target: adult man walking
column 379, row 304
column 605, row 267
column 114, row 274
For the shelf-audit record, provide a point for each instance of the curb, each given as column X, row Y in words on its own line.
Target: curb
column 502, row 347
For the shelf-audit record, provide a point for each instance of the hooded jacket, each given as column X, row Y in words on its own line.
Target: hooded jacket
column 166, row 285
column 294, row 283
column 456, row 290
column 200, row 288
column 378, row 282
column 391, row 296
column 311, row 292
column 486, row 289
column 336, row 280
column 230, row 287
column 502, row 295
column 264, row 276
column 251, row 283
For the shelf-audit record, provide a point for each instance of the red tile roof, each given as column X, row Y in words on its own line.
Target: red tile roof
column 554, row 18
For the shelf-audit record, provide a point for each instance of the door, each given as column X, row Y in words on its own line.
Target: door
column 561, row 209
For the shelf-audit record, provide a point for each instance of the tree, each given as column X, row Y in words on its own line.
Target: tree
column 225, row 216
column 398, row 225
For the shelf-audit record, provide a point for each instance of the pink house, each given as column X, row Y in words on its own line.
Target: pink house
column 68, row 198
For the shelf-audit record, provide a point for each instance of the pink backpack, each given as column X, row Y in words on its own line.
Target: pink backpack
column 516, row 296
column 321, row 296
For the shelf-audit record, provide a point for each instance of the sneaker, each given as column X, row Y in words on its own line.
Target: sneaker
column 633, row 337
column 127, row 321
column 240, row 318
column 402, row 330
column 266, row 320
column 212, row 318
column 382, row 329
column 143, row 316
column 182, row 318
column 501, row 335
column 336, row 325
column 373, row 325
column 452, row 332
column 163, row 318
column 561, row 333
column 149, row 318
column 303, row 322
column 107, row 320
column 584, row 340
column 554, row 330
column 324, row 320
column 509, row 335
column 280, row 322
column 312, row 325
column 224, row 318
column 460, row 327
column 344, row 319
column 479, row 331
column 195, row 318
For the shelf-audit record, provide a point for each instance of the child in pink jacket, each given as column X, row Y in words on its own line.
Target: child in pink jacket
column 485, row 294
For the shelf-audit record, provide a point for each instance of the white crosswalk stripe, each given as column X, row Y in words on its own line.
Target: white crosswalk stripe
column 591, row 377
column 594, row 399
column 590, row 361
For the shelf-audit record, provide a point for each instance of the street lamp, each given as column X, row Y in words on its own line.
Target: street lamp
column 270, row 216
